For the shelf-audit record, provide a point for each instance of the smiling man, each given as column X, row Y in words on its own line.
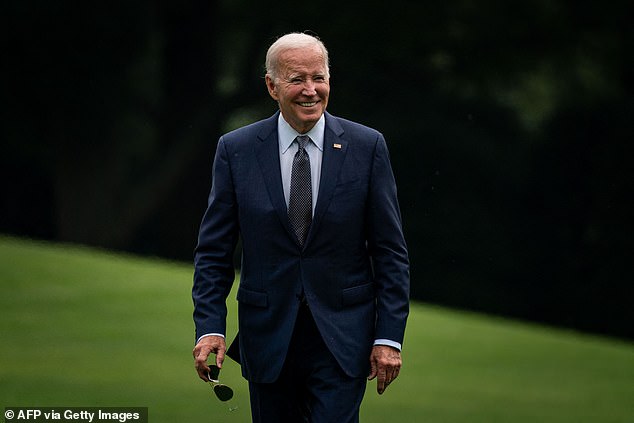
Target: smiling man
column 324, row 288
column 298, row 79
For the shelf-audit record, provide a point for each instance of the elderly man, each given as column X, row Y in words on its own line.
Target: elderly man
column 324, row 287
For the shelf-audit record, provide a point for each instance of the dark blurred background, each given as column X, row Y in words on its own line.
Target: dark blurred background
column 510, row 126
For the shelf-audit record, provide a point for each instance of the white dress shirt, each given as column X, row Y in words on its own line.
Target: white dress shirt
column 315, row 149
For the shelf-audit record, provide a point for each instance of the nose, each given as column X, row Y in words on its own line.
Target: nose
column 309, row 87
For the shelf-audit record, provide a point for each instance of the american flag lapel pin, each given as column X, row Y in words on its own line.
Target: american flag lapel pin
column 338, row 146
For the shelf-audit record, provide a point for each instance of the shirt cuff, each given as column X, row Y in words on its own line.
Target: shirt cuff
column 209, row 334
column 388, row 342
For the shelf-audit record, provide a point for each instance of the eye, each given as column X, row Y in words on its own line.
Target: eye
column 296, row 80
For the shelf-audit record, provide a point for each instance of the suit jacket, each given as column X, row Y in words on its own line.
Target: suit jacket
column 353, row 267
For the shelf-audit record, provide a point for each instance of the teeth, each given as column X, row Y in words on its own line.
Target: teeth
column 308, row 104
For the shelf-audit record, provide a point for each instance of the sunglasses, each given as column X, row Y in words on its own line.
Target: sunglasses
column 223, row 392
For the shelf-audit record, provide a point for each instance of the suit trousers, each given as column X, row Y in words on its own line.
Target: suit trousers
column 312, row 387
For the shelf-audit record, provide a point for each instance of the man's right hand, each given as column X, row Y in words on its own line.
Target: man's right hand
column 204, row 347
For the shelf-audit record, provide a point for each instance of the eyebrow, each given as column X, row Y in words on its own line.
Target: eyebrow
column 302, row 75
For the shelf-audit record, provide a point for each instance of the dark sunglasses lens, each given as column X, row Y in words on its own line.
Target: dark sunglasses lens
column 214, row 372
column 223, row 392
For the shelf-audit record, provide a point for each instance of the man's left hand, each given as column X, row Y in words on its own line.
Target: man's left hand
column 385, row 364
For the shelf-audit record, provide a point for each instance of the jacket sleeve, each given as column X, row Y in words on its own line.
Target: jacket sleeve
column 213, row 257
column 387, row 249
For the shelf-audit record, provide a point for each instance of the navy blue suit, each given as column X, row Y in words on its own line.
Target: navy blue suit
column 353, row 268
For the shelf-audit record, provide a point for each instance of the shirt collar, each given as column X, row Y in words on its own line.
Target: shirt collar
column 287, row 134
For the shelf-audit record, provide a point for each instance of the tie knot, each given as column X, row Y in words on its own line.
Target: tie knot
column 303, row 141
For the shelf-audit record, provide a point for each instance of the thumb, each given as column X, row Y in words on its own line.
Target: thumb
column 373, row 369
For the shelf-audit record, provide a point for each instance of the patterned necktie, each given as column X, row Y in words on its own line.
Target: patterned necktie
column 300, row 203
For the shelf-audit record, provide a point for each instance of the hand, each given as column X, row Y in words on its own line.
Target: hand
column 385, row 362
column 204, row 347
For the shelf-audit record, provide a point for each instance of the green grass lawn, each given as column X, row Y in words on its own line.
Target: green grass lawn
column 82, row 327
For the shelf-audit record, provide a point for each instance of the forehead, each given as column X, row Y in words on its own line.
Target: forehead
column 302, row 60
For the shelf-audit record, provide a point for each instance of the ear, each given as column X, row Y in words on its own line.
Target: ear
column 270, row 84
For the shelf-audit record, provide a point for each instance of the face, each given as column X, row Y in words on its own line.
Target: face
column 301, row 87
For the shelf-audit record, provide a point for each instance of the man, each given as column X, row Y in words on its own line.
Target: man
column 324, row 286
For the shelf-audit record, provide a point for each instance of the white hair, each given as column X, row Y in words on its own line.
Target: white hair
column 292, row 41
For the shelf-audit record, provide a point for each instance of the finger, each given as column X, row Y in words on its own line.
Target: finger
column 373, row 369
column 220, row 358
column 203, row 372
column 389, row 377
column 200, row 362
column 380, row 382
column 392, row 373
column 396, row 373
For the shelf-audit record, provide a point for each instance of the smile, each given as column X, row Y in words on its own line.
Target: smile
column 309, row 104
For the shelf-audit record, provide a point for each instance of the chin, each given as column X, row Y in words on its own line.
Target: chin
column 311, row 117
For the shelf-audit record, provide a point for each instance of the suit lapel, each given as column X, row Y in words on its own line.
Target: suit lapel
column 335, row 149
column 268, row 156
